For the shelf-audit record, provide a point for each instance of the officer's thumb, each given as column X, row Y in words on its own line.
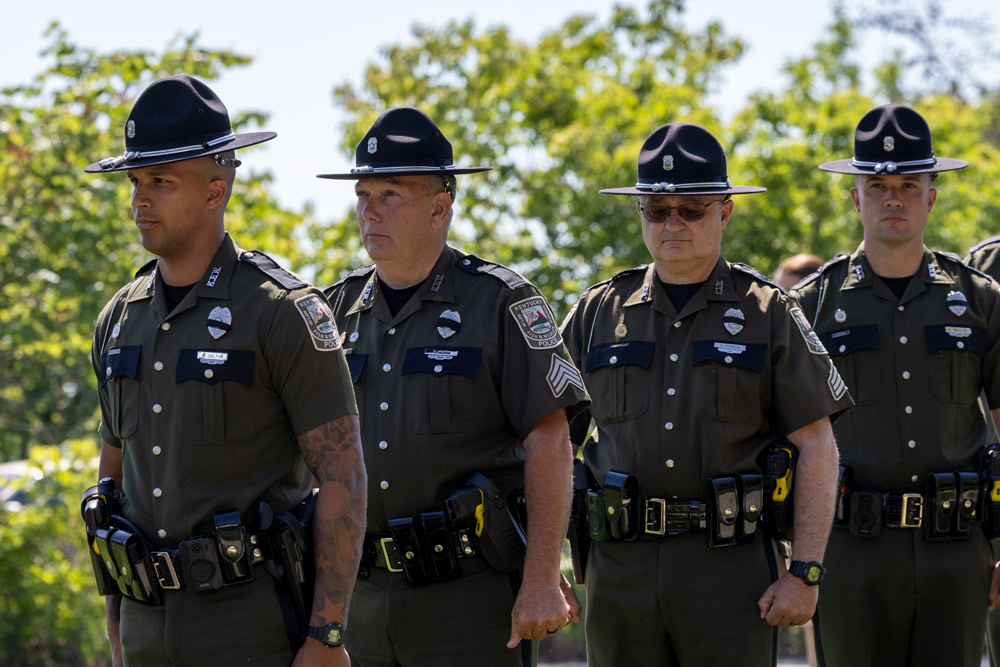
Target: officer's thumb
column 515, row 638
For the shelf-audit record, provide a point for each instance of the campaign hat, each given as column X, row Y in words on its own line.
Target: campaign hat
column 177, row 118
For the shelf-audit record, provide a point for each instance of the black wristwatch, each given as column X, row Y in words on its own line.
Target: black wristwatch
column 331, row 634
column 811, row 572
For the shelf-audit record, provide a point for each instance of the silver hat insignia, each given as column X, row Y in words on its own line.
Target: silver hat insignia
column 372, row 144
column 668, row 162
column 130, row 129
column 888, row 143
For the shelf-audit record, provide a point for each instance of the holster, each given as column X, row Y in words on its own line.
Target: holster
column 579, row 531
column 502, row 540
column 779, row 471
column 991, row 491
column 613, row 511
column 98, row 504
column 951, row 500
column 290, row 535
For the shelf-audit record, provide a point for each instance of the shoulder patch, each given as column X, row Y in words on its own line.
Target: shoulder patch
column 537, row 323
column 319, row 322
column 476, row 265
column 283, row 277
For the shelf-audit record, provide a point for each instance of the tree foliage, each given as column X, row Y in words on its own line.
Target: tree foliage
column 66, row 240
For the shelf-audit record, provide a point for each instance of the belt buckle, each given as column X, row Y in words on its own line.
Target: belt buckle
column 917, row 500
column 651, row 520
column 385, row 554
column 164, row 556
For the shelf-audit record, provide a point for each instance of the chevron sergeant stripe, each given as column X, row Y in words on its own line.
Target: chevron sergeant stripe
column 561, row 375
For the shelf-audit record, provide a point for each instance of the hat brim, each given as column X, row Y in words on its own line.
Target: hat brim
column 847, row 167
column 731, row 190
column 355, row 174
column 238, row 141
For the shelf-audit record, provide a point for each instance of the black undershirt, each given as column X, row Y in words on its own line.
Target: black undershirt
column 897, row 285
column 397, row 298
column 174, row 295
column 679, row 295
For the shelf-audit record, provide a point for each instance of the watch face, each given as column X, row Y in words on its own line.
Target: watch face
column 813, row 574
column 333, row 635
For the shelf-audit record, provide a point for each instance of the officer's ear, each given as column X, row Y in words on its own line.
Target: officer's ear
column 218, row 193
column 441, row 203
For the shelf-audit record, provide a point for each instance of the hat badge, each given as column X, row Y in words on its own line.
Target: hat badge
column 130, row 129
column 372, row 144
column 668, row 162
column 888, row 143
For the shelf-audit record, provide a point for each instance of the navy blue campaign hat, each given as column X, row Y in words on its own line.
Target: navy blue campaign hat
column 177, row 118
column 893, row 139
column 403, row 141
column 682, row 159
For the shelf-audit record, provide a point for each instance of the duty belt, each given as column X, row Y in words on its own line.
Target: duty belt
column 902, row 510
column 673, row 517
column 380, row 551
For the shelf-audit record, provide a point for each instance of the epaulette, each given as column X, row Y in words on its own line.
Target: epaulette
column 954, row 257
column 476, row 265
column 749, row 270
column 836, row 259
column 283, row 277
column 360, row 272
column 620, row 274
column 985, row 242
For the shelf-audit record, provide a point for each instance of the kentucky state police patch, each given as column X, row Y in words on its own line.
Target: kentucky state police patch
column 319, row 322
column 536, row 322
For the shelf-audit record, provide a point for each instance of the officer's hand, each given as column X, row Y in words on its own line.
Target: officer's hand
column 539, row 610
column 575, row 607
column 788, row 601
column 995, row 587
column 314, row 652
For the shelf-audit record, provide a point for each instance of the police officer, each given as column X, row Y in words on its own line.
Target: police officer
column 696, row 366
column 985, row 256
column 222, row 385
column 915, row 335
column 463, row 383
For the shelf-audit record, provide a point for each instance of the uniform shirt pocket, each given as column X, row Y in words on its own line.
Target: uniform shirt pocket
column 441, row 395
column 617, row 377
column 739, row 369
column 215, row 390
column 120, row 372
column 854, row 351
column 954, row 361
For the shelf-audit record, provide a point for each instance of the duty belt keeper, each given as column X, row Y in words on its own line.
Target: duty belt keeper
column 723, row 511
column 942, row 500
column 751, row 493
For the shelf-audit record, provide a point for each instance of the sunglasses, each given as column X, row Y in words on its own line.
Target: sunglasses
column 688, row 212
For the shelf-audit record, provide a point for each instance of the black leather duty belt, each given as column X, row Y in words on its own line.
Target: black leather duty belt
column 902, row 510
column 673, row 517
column 381, row 551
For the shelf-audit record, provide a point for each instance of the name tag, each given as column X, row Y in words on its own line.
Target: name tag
column 213, row 357
column 731, row 348
column 440, row 355
column 958, row 332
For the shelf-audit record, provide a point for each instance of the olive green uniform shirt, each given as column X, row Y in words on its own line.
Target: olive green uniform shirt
column 206, row 401
column 681, row 397
column 915, row 365
column 453, row 383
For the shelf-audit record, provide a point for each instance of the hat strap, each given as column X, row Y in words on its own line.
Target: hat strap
column 365, row 169
column 890, row 166
column 113, row 162
column 670, row 187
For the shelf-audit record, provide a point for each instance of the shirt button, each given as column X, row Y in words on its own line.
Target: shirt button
column 912, row 444
column 157, row 492
column 383, row 406
column 677, row 325
column 908, row 409
column 843, row 348
column 671, row 391
column 383, row 444
column 670, row 463
column 156, row 450
column 914, row 478
column 161, row 533
column 165, row 326
column 902, row 339
column 960, row 345
column 613, row 360
column 386, row 368
column 384, row 484
column 209, row 373
column 353, row 337
column 669, row 426
column 158, row 366
column 392, row 331
column 906, row 375
column 673, row 357
column 108, row 371
column 438, row 368
column 728, row 359
column 466, row 262
column 157, row 408
column 901, row 308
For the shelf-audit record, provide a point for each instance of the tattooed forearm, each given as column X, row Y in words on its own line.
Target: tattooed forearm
column 333, row 453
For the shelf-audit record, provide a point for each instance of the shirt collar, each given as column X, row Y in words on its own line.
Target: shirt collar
column 718, row 287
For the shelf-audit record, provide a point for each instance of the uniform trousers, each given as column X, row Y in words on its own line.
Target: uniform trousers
column 457, row 623
column 674, row 602
column 897, row 601
column 236, row 625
